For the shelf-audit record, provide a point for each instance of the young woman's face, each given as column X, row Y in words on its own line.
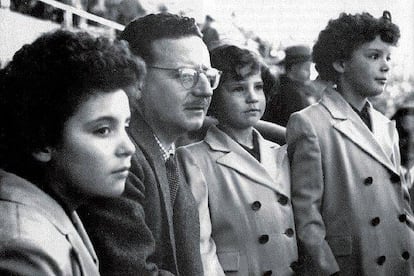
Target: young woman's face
column 95, row 153
column 241, row 103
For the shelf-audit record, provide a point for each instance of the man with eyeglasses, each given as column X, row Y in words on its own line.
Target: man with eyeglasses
column 153, row 229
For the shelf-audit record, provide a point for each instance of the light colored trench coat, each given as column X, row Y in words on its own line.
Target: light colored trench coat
column 351, row 208
column 36, row 235
column 246, row 217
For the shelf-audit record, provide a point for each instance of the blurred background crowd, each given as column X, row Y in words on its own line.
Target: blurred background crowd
column 267, row 27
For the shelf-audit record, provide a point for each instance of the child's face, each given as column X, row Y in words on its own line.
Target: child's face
column 95, row 153
column 366, row 72
column 241, row 103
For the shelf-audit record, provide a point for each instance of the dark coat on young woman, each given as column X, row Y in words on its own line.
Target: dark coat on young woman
column 140, row 233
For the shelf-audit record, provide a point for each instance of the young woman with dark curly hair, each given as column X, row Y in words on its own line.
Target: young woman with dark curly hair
column 63, row 120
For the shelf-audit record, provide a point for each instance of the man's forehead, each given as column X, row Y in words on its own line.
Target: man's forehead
column 189, row 50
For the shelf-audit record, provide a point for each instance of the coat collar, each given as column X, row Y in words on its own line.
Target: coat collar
column 379, row 143
column 268, row 172
column 16, row 189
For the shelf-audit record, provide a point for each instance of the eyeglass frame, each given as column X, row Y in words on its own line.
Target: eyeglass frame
column 198, row 71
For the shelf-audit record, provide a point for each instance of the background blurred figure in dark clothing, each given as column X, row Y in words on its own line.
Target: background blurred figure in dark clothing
column 404, row 119
column 210, row 34
column 293, row 91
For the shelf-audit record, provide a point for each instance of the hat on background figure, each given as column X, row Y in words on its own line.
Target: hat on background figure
column 296, row 54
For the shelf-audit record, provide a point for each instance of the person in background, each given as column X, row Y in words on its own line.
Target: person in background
column 210, row 35
column 63, row 142
column 240, row 180
column 404, row 120
column 153, row 229
column 351, row 206
column 293, row 91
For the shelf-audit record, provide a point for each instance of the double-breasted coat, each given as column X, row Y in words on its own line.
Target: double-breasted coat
column 245, row 209
column 36, row 235
column 351, row 206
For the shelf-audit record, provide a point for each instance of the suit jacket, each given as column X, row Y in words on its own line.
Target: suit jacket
column 140, row 233
column 245, row 210
column 351, row 208
column 36, row 235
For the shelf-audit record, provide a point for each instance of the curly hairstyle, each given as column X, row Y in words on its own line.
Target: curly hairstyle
column 342, row 36
column 45, row 83
column 236, row 64
column 141, row 32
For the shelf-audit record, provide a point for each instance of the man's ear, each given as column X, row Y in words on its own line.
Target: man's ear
column 43, row 154
column 339, row 66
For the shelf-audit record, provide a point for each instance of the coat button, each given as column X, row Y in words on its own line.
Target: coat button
column 368, row 181
column 375, row 221
column 283, row 200
column 263, row 239
column 395, row 178
column 289, row 232
column 267, row 273
column 405, row 255
column 402, row 217
column 256, row 205
column 381, row 260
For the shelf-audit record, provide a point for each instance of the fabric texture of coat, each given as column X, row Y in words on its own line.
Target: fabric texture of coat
column 351, row 206
column 246, row 216
column 140, row 233
column 36, row 235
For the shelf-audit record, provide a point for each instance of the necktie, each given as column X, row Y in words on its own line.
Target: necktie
column 365, row 116
column 173, row 177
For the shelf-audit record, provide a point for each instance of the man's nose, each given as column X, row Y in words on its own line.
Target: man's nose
column 203, row 87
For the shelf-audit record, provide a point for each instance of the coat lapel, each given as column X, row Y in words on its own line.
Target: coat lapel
column 143, row 136
column 377, row 143
column 79, row 242
column 236, row 158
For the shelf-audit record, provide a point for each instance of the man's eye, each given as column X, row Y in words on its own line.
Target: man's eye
column 373, row 56
column 103, row 131
column 187, row 77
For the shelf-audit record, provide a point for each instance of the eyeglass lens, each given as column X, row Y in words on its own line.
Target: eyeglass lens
column 189, row 77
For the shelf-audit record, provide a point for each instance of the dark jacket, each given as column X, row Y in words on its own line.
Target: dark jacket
column 140, row 233
column 290, row 96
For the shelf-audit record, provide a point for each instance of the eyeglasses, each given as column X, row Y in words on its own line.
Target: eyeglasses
column 189, row 76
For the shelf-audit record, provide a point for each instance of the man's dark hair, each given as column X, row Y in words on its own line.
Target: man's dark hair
column 141, row 32
column 235, row 63
column 46, row 82
column 342, row 36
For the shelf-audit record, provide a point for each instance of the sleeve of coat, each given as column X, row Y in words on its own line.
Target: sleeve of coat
column 22, row 257
column 307, row 190
column 195, row 178
column 122, row 240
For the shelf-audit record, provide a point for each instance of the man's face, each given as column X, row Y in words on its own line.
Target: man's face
column 168, row 106
column 366, row 72
column 301, row 71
